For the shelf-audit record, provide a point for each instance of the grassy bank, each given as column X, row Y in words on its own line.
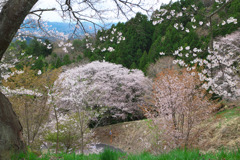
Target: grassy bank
column 111, row 155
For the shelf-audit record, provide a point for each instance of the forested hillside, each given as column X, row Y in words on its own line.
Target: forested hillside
column 145, row 39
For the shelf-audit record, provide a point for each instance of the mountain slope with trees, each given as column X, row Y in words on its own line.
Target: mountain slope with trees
column 145, row 41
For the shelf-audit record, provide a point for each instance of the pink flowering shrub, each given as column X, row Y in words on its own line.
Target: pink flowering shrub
column 178, row 105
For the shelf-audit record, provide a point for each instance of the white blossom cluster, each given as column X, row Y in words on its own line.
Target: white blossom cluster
column 219, row 71
column 39, row 72
column 187, row 52
column 66, row 46
column 162, row 53
column 115, row 36
column 180, row 25
column 6, row 66
column 20, row 91
column 232, row 20
column 7, row 63
column 228, row 21
column 20, row 37
column 221, row 1
column 165, row 14
column 89, row 45
column 102, row 84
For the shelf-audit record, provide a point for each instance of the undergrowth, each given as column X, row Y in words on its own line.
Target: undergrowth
column 113, row 155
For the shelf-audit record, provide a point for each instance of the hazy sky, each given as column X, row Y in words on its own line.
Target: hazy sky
column 55, row 16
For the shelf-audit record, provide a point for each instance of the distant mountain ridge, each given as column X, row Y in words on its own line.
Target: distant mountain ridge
column 68, row 28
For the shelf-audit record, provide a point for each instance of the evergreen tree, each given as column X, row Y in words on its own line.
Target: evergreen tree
column 58, row 63
column 66, row 60
column 133, row 66
column 39, row 64
column 143, row 61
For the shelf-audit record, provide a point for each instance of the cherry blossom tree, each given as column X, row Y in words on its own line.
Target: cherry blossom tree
column 220, row 67
column 178, row 105
column 62, row 122
column 101, row 84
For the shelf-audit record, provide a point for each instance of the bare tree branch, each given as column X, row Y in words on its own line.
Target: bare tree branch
column 42, row 10
column 219, row 9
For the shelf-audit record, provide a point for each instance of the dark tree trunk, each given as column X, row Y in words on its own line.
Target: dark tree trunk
column 57, row 123
column 12, row 16
column 10, row 130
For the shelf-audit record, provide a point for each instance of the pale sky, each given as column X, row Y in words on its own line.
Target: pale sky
column 107, row 5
